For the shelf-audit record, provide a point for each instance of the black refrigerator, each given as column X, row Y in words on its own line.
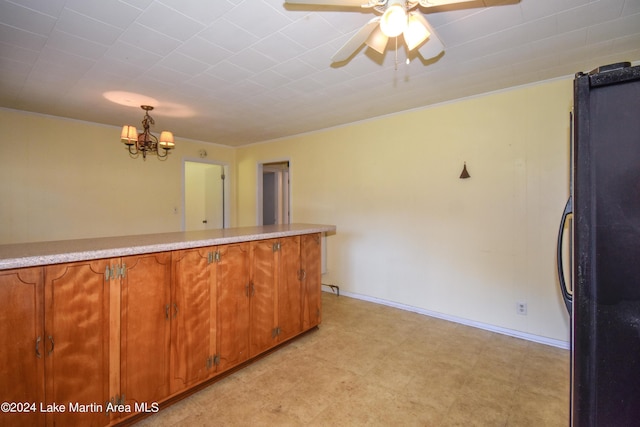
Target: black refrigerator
column 601, row 288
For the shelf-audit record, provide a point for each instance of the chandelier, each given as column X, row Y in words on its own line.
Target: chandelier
column 146, row 142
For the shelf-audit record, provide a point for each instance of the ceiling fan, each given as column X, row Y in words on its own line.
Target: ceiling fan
column 398, row 17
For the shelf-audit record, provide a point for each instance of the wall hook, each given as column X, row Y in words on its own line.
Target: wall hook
column 465, row 173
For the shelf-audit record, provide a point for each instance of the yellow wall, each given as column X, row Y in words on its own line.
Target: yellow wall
column 66, row 179
column 411, row 232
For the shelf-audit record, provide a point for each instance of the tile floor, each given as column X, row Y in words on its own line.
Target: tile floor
column 374, row 365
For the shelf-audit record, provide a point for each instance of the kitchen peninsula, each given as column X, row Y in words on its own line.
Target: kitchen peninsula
column 110, row 328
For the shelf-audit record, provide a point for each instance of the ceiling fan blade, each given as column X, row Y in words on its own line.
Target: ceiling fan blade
column 356, row 41
column 377, row 40
column 353, row 3
column 433, row 46
column 432, row 3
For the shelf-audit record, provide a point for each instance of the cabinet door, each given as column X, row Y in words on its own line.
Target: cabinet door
column 145, row 328
column 192, row 334
column 21, row 344
column 310, row 258
column 232, row 285
column 76, row 341
column 289, row 288
column 263, row 296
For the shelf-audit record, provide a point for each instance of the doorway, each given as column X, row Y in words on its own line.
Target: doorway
column 205, row 196
column 273, row 197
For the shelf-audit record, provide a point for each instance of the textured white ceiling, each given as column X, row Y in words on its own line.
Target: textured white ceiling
column 236, row 72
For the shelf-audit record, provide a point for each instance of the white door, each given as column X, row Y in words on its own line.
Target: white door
column 204, row 196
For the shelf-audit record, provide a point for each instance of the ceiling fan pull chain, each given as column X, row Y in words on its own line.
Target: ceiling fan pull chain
column 396, row 54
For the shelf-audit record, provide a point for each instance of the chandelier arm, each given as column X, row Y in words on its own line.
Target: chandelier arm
column 163, row 156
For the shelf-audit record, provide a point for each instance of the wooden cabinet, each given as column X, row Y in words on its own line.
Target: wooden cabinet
column 55, row 334
column 262, row 295
column 311, row 270
column 136, row 330
column 210, row 332
column 56, row 331
column 75, row 343
column 193, row 325
column 246, row 298
column 233, row 290
column 276, row 292
column 145, row 328
column 21, row 343
column 289, row 289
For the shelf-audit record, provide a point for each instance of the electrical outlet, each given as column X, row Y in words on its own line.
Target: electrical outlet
column 521, row 308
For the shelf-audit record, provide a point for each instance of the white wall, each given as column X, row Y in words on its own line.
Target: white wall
column 411, row 232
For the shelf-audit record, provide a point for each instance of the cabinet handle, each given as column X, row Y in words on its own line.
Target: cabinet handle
column 175, row 308
column 250, row 289
column 166, row 311
column 38, row 346
column 52, row 344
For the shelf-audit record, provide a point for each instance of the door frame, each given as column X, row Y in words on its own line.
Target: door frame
column 259, row 188
column 227, row 189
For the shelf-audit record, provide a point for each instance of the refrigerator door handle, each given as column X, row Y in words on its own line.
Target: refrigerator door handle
column 567, row 295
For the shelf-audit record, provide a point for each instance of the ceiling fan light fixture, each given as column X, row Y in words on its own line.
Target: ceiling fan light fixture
column 415, row 33
column 377, row 41
column 394, row 19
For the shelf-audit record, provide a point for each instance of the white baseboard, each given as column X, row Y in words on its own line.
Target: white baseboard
column 487, row 327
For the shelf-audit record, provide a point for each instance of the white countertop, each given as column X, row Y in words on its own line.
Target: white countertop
column 44, row 253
